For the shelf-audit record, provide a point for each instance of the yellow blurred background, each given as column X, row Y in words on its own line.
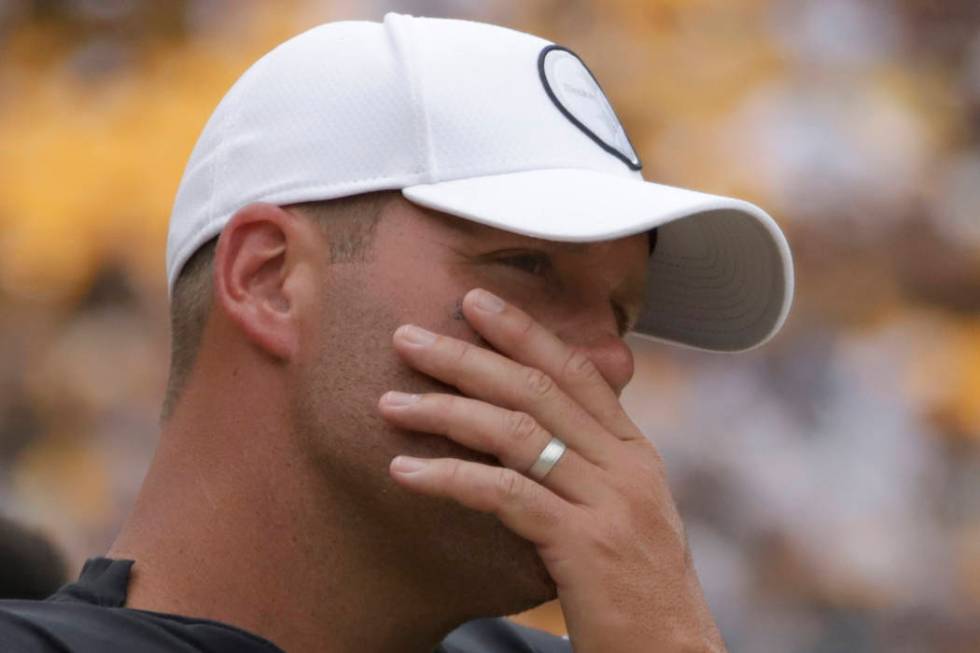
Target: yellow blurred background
column 830, row 481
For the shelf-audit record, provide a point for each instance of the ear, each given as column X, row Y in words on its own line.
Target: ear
column 256, row 263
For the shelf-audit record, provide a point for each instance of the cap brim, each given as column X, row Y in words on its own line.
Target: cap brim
column 720, row 278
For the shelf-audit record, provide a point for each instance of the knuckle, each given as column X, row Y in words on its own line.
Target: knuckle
column 462, row 352
column 641, row 472
column 608, row 540
column 523, row 426
column 578, row 366
column 509, row 485
column 538, row 383
column 454, row 472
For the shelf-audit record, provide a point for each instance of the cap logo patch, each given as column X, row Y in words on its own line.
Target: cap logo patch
column 574, row 90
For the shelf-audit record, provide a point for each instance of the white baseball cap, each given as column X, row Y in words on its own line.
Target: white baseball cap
column 487, row 124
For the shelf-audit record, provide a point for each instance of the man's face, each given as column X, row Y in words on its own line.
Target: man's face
column 419, row 267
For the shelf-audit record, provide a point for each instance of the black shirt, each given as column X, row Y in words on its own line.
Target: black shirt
column 88, row 616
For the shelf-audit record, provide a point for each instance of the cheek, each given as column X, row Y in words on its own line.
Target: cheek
column 429, row 295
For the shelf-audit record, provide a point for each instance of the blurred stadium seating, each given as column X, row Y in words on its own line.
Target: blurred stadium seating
column 830, row 480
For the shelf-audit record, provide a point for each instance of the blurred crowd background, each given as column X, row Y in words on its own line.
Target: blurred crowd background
column 830, row 481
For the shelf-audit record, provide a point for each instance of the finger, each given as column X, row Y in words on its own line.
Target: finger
column 487, row 375
column 516, row 334
column 525, row 507
column 514, row 437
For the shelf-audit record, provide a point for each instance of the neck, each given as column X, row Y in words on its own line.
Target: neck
column 218, row 533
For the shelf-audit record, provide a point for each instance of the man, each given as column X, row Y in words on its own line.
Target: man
column 402, row 259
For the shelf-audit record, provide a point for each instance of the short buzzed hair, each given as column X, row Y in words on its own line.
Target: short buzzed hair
column 349, row 223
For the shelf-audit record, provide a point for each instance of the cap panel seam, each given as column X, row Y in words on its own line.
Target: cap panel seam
column 228, row 126
column 404, row 55
column 193, row 241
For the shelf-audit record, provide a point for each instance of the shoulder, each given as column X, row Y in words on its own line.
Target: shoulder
column 502, row 636
column 63, row 626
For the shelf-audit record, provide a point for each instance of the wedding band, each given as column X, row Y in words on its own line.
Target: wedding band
column 547, row 459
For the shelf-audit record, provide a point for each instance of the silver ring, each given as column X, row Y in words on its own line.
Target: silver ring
column 549, row 456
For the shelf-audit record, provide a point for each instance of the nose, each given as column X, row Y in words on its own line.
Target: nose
column 612, row 357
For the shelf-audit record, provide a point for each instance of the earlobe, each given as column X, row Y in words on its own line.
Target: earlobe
column 252, row 265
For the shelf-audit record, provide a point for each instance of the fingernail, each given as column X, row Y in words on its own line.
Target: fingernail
column 489, row 302
column 408, row 465
column 416, row 335
column 395, row 398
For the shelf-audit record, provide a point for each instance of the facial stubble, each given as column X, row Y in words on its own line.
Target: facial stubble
column 447, row 552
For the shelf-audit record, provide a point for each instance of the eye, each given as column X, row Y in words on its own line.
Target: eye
column 535, row 263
